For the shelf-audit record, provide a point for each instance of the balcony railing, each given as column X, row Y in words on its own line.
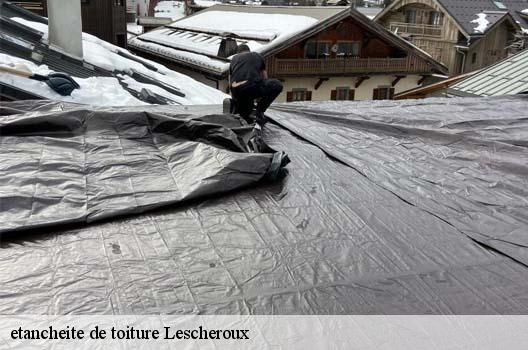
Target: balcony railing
column 425, row 30
column 307, row 66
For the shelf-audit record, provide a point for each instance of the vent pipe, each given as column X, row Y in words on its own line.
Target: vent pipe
column 65, row 26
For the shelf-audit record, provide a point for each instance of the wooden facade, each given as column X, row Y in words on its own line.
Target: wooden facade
column 427, row 25
column 370, row 55
column 347, row 57
column 37, row 6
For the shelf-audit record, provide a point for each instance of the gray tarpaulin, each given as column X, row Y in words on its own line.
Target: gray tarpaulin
column 375, row 215
column 81, row 164
column 465, row 161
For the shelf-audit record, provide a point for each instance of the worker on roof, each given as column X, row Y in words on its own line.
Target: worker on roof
column 248, row 81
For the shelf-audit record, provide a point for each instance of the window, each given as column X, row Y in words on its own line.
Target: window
column 317, row 49
column 500, row 5
column 435, row 19
column 299, row 94
column 342, row 94
column 410, row 16
column 474, row 58
column 311, row 49
column 349, row 48
column 383, row 93
column 323, row 49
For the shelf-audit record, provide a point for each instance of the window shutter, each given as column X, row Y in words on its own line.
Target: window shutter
column 333, row 95
column 375, row 95
column 351, row 94
column 308, row 95
column 391, row 94
column 289, row 96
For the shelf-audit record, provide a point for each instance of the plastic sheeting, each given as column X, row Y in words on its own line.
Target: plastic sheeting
column 325, row 239
column 66, row 163
column 464, row 161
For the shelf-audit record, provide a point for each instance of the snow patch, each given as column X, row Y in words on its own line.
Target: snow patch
column 172, row 9
column 100, row 91
column 482, row 23
column 105, row 55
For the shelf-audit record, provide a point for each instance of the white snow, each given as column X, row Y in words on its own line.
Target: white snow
column 135, row 29
column 105, row 55
column 525, row 11
column 172, row 9
column 256, row 25
column 206, row 3
column 101, row 91
column 258, row 30
column 482, row 23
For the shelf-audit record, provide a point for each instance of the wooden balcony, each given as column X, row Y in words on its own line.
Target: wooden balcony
column 344, row 66
column 425, row 30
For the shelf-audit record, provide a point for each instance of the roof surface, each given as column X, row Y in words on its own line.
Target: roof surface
column 465, row 12
column 108, row 75
column 507, row 77
column 382, row 211
column 195, row 40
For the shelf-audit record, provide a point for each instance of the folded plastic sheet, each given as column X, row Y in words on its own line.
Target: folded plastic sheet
column 323, row 240
column 64, row 163
column 464, row 161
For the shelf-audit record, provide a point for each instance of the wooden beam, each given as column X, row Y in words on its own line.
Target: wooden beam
column 320, row 82
column 361, row 80
column 397, row 80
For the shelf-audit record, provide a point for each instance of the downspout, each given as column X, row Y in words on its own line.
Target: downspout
column 463, row 60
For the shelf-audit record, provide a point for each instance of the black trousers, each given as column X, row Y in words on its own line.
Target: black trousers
column 245, row 96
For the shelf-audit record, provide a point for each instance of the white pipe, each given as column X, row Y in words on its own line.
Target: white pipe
column 65, row 26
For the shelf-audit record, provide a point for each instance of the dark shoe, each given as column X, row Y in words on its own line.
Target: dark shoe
column 261, row 118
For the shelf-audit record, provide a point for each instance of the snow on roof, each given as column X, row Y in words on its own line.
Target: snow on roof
column 106, row 56
column 101, row 91
column 206, row 3
column 196, row 38
column 172, row 9
column 482, row 23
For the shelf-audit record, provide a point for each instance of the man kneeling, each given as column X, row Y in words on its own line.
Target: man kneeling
column 249, row 81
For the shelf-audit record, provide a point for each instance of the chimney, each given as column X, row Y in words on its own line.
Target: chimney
column 65, row 26
column 228, row 47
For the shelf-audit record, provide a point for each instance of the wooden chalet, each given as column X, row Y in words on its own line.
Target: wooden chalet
column 464, row 35
column 320, row 53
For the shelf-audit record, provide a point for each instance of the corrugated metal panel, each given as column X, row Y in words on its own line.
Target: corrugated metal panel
column 507, row 77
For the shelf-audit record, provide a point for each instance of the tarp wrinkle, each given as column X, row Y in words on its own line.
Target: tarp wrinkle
column 66, row 163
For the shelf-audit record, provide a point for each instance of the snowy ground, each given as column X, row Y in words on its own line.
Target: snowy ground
column 107, row 91
column 172, row 9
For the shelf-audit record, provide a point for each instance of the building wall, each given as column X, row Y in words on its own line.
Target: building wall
column 139, row 7
column 105, row 19
column 490, row 49
column 363, row 92
column 442, row 48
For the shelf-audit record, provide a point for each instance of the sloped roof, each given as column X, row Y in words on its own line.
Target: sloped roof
column 107, row 75
column 466, row 11
column 381, row 212
column 195, row 40
column 476, row 17
column 507, row 77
